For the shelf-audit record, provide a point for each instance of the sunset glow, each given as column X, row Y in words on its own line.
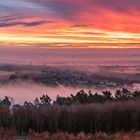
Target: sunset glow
column 61, row 23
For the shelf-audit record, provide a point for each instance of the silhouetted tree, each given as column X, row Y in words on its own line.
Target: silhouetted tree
column 63, row 100
column 107, row 96
column 37, row 102
column 136, row 94
column 6, row 101
column 45, row 100
column 123, row 94
column 81, row 97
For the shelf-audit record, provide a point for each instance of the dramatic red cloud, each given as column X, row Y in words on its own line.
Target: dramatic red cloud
column 66, row 23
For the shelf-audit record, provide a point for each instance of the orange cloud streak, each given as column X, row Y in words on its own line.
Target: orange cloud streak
column 107, row 27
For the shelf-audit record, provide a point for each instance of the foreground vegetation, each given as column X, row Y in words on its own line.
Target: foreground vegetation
column 7, row 134
column 83, row 112
column 10, row 135
column 83, row 136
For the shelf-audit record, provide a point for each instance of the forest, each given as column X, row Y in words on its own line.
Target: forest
column 82, row 112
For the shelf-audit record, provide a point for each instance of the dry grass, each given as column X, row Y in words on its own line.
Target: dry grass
column 82, row 136
column 9, row 135
column 6, row 134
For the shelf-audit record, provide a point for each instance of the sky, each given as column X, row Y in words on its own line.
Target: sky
column 65, row 23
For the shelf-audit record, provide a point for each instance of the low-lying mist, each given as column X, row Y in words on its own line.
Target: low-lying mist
column 22, row 91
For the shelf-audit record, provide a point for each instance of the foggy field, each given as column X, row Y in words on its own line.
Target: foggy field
column 22, row 89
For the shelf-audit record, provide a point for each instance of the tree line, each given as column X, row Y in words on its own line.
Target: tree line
column 84, row 112
column 82, row 97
